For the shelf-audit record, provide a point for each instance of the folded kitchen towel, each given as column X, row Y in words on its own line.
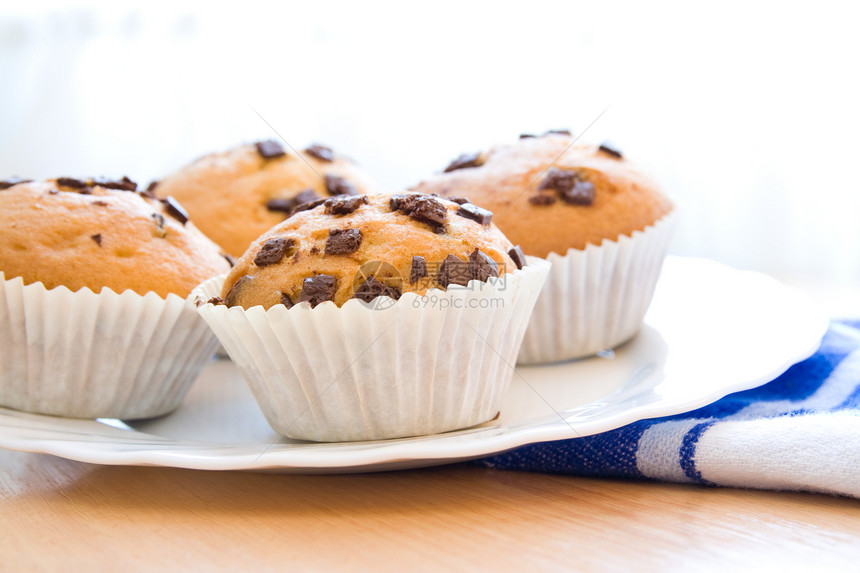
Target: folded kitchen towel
column 799, row 432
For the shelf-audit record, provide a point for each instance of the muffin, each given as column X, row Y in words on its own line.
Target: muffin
column 602, row 223
column 92, row 311
column 376, row 316
column 236, row 195
column 406, row 242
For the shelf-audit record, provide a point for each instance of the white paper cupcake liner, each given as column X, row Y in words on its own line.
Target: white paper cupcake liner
column 595, row 299
column 421, row 365
column 97, row 355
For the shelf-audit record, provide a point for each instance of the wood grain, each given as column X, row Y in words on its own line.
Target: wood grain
column 57, row 514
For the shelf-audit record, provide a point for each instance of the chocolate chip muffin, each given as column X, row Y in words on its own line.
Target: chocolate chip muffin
column 236, row 195
column 374, row 317
column 99, row 233
column 550, row 194
column 360, row 246
column 602, row 223
column 93, row 281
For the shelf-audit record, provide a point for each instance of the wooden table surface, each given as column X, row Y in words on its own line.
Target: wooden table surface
column 57, row 514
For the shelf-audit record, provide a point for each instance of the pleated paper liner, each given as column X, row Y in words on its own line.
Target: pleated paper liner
column 420, row 365
column 595, row 299
column 97, row 355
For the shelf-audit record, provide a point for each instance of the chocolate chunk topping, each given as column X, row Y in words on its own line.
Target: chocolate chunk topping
column 475, row 213
column 97, row 238
column 373, row 288
column 216, row 300
column 317, row 289
column 581, row 194
column 339, row 186
column 396, row 200
column 149, row 192
column 5, row 184
column 607, row 148
column 306, row 196
column 458, row 200
column 560, row 180
column 454, row 271
column 482, row 267
column 124, row 184
column 159, row 220
column 286, row 300
column 569, row 187
column 542, row 199
column 419, row 270
column 527, row 135
column 321, row 152
column 280, row 204
column 71, row 182
column 100, row 203
column 269, row 149
column 273, row 251
column 174, row 209
column 422, row 208
column 233, row 293
column 518, row 257
column 308, row 206
column 342, row 241
column 464, row 161
column 344, row 204
column 236, row 289
column 557, row 132
column 288, row 205
column 230, row 260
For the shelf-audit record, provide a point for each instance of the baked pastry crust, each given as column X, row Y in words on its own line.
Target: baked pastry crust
column 229, row 193
column 507, row 180
column 304, row 246
column 96, row 237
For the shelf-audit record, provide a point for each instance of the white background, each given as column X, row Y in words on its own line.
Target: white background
column 747, row 113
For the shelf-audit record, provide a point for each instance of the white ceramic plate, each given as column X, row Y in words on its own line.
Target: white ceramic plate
column 711, row 330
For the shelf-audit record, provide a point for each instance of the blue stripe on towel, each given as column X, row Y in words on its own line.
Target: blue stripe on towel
column 614, row 453
column 852, row 402
column 688, row 451
column 607, row 454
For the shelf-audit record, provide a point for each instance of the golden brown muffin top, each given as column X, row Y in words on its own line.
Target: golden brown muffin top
column 236, row 195
column 550, row 195
column 367, row 246
column 99, row 233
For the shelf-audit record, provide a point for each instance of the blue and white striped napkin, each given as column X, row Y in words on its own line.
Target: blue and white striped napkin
column 799, row 432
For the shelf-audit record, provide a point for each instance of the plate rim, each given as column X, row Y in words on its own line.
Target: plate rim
column 460, row 445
